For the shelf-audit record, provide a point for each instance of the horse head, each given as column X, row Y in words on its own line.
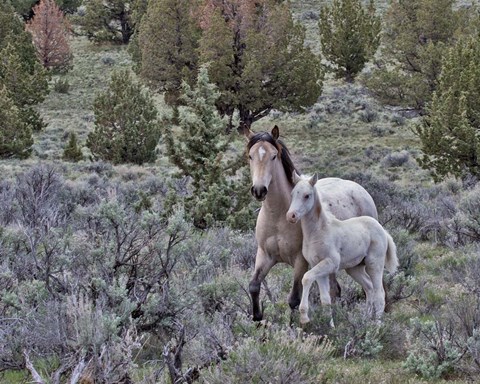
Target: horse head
column 264, row 153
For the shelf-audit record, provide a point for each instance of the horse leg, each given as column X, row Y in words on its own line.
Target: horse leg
column 359, row 274
column 374, row 266
column 299, row 269
column 335, row 289
column 263, row 264
column 320, row 274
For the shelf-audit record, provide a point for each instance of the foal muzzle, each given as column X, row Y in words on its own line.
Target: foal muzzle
column 292, row 217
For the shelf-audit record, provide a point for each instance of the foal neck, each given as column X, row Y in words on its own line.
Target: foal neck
column 317, row 214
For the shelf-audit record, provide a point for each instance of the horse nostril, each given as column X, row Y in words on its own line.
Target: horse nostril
column 259, row 192
column 263, row 192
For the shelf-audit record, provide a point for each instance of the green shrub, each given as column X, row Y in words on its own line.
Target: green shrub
column 273, row 355
column 72, row 151
column 126, row 126
column 434, row 353
column 61, row 86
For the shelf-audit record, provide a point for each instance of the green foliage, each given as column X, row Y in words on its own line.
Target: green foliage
column 450, row 133
column 72, row 152
column 61, row 86
column 273, row 355
column 199, row 151
column 109, row 20
column 350, row 35
column 20, row 72
column 435, row 352
column 126, row 125
column 258, row 59
column 24, row 7
column 15, row 137
column 415, row 37
column 167, row 46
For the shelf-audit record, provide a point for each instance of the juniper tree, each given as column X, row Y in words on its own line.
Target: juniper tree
column 50, row 30
column 25, row 82
column 126, row 126
column 167, row 46
column 109, row 20
column 416, row 34
column 257, row 59
column 450, row 132
column 15, row 136
column 198, row 148
column 72, row 152
column 350, row 35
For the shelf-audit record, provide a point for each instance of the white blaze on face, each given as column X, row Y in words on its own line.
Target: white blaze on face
column 261, row 152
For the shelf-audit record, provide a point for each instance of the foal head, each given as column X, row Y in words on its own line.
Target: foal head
column 303, row 197
column 265, row 152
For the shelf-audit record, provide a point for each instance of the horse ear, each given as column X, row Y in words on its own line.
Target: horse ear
column 295, row 177
column 275, row 132
column 313, row 180
column 247, row 132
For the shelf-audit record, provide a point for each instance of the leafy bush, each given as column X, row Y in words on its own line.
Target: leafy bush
column 278, row 355
column 396, row 159
column 126, row 125
column 72, row 152
column 61, row 86
column 434, row 353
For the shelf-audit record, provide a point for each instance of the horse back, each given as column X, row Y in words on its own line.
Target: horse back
column 345, row 198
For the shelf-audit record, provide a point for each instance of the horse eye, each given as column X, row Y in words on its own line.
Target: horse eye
column 250, row 157
column 274, row 157
column 307, row 197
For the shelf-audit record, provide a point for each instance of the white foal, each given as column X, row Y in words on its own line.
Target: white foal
column 330, row 244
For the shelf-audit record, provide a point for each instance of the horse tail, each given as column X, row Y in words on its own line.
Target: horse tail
column 391, row 261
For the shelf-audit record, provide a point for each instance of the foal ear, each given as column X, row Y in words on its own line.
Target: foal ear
column 313, row 180
column 295, row 177
column 275, row 132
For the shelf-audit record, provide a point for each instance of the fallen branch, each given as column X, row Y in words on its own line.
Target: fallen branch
column 28, row 364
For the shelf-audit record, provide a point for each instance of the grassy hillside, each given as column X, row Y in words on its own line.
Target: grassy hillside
column 186, row 291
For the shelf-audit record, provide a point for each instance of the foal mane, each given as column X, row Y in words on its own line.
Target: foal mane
column 287, row 162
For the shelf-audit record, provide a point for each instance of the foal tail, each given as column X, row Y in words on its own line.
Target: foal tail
column 391, row 261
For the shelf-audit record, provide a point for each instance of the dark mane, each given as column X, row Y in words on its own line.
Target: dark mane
column 287, row 162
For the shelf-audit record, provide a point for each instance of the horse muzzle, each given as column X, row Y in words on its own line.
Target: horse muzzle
column 260, row 193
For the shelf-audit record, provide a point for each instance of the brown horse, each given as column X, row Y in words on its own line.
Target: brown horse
column 278, row 241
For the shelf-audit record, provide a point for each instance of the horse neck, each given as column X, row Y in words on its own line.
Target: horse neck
column 279, row 192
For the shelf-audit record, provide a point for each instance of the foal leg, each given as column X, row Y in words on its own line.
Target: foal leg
column 263, row 264
column 326, row 297
column 374, row 266
column 359, row 274
column 319, row 273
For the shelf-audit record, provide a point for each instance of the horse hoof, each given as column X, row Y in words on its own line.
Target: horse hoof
column 257, row 317
column 304, row 320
